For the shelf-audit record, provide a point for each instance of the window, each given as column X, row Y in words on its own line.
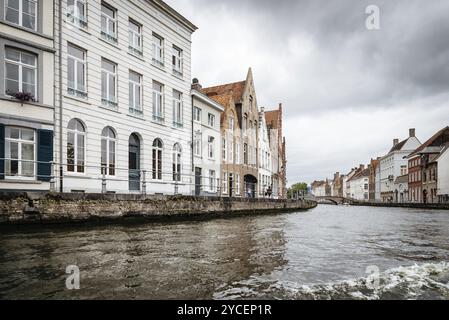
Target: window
column 197, row 144
column 177, row 152
column 20, row 148
column 158, row 102
column 225, row 183
column 211, row 120
column 245, row 154
column 231, row 151
column 20, row 73
column 76, row 71
column 237, row 153
column 211, row 148
column 108, row 143
column 108, row 23
column 135, row 38
column 177, row 109
column 231, row 123
column 177, row 61
column 76, row 13
column 135, row 93
column 108, row 83
column 403, row 170
column 158, row 51
column 237, row 184
column 212, row 181
column 196, row 114
column 22, row 13
column 223, row 155
column 76, row 137
column 157, row 159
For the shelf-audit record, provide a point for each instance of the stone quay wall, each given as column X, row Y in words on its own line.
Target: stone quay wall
column 430, row 206
column 54, row 208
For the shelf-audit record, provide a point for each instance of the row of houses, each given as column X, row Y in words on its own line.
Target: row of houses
column 411, row 172
column 97, row 96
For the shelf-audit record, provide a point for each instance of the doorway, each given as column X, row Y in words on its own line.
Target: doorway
column 134, row 163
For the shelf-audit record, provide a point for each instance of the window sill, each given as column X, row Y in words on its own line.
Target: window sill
column 137, row 56
column 84, row 29
column 158, row 67
column 110, row 108
column 177, row 76
column 115, row 45
column 37, row 104
column 136, row 116
column 13, row 180
column 16, row 26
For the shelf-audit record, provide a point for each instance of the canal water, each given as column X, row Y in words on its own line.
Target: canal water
column 327, row 253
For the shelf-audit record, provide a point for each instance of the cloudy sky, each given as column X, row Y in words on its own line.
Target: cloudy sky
column 347, row 91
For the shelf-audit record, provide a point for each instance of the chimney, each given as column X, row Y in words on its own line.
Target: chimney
column 362, row 167
column 395, row 142
column 196, row 85
column 412, row 133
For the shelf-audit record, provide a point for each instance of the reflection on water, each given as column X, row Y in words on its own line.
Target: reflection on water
column 294, row 256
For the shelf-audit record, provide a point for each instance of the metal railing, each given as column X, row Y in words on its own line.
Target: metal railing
column 138, row 180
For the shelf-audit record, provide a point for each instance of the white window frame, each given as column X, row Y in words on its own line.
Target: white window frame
column 211, row 120
column 231, row 150
column 76, row 62
column 21, row 13
column 224, row 153
column 177, row 162
column 225, row 182
column 211, row 148
column 75, row 165
column 159, row 152
column 231, row 124
column 197, row 112
column 237, row 184
column 177, row 109
column 237, row 153
column 212, row 181
column 158, row 50
column 22, row 65
column 197, row 144
column 158, row 102
column 110, row 21
column 133, row 87
column 109, row 140
column 177, row 61
column 136, row 37
column 20, row 142
column 75, row 17
column 107, row 100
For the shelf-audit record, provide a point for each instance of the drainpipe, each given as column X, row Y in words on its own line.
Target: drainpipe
column 61, row 168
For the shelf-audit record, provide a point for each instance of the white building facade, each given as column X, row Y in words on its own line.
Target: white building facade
column 359, row 186
column 124, row 120
column 265, row 159
column 206, row 144
column 26, row 94
column 443, row 176
column 378, row 183
column 395, row 164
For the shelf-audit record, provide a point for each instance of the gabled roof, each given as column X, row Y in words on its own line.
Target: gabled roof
column 272, row 117
column 399, row 146
column 437, row 139
column 237, row 89
column 363, row 173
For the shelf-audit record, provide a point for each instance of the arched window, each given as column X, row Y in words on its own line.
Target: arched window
column 157, row 159
column 108, row 144
column 177, row 153
column 76, row 145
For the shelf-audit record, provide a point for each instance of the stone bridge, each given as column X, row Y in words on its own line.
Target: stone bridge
column 334, row 200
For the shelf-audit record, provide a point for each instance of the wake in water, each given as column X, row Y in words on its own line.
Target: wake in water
column 418, row 282
column 428, row 281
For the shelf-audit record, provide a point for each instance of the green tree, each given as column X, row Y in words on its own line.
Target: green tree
column 300, row 188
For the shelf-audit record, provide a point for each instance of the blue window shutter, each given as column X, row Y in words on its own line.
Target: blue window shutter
column 2, row 151
column 44, row 154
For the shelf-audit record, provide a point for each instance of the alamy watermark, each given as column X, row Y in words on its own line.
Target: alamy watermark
column 372, row 22
column 73, row 280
